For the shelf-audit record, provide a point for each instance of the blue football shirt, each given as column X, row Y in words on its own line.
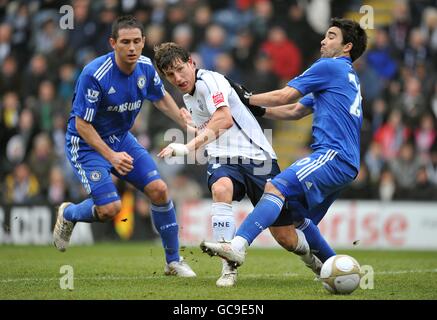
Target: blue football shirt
column 332, row 89
column 109, row 99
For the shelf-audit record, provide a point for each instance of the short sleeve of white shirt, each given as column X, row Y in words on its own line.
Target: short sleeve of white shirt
column 215, row 90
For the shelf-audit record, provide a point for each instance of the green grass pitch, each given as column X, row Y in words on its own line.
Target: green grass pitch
column 135, row 271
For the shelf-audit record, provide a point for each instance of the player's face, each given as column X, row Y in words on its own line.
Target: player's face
column 182, row 75
column 129, row 45
column 331, row 45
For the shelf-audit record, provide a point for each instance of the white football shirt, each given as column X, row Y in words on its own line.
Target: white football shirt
column 245, row 138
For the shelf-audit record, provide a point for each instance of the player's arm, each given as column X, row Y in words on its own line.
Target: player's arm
column 274, row 98
column 121, row 161
column 168, row 106
column 294, row 111
column 220, row 121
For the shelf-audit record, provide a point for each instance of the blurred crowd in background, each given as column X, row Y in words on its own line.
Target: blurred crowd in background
column 262, row 44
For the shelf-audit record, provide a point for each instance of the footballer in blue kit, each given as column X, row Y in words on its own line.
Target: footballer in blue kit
column 108, row 96
column 329, row 89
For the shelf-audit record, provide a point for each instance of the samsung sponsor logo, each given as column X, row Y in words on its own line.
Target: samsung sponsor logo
column 127, row 106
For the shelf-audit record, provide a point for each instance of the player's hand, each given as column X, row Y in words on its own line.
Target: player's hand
column 188, row 120
column 243, row 93
column 173, row 149
column 122, row 162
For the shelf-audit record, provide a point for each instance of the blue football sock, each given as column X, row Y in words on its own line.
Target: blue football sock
column 263, row 215
column 164, row 219
column 316, row 241
column 81, row 212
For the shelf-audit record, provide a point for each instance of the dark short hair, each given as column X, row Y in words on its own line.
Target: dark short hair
column 125, row 22
column 167, row 54
column 353, row 33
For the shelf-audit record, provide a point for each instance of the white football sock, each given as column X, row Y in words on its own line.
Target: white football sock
column 223, row 221
column 302, row 246
column 239, row 243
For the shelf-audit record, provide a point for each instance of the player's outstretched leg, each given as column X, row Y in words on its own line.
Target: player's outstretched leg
column 305, row 254
column 317, row 242
column 63, row 229
column 164, row 219
column 68, row 214
column 263, row 215
column 223, row 229
column 224, row 250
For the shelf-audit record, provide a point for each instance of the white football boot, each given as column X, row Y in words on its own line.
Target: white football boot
column 63, row 229
column 225, row 251
column 312, row 262
column 179, row 268
column 228, row 277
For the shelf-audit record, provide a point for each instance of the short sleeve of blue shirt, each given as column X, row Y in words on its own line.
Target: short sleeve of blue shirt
column 87, row 97
column 307, row 101
column 315, row 78
column 155, row 88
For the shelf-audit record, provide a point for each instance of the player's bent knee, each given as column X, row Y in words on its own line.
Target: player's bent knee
column 270, row 188
column 221, row 188
column 108, row 211
column 157, row 191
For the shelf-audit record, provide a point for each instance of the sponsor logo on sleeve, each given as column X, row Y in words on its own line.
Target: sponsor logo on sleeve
column 218, row 98
column 92, row 95
column 156, row 79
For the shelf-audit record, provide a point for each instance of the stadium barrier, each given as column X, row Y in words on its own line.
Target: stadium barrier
column 348, row 224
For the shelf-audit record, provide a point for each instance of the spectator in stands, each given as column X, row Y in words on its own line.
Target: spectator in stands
column 399, row 29
column 374, row 161
column 387, row 185
column 405, row 166
column 416, row 51
column 32, row 78
column 213, row 45
column 431, row 165
column 286, row 56
column 5, row 41
column 57, row 189
column 391, row 135
column 244, row 50
column 412, row 102
column 423, row 189
column 21, row 186
column 225, row 65
column 47, row 105
column 425, row 136
column 42, row 159
column 9, row 76
column 183, row 36
column 380, row 58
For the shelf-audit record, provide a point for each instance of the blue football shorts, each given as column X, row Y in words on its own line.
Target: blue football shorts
column 310, row 185
column 94, row 171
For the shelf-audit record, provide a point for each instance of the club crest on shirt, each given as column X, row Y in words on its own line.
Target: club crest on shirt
column 141, row 82
column 95, row 175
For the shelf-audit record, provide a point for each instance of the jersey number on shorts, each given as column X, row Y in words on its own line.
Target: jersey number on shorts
column 355, row 108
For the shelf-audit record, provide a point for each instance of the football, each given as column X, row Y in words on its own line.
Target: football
column 340, row 274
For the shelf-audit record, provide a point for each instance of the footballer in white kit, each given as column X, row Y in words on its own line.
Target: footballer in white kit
column 241, row 159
